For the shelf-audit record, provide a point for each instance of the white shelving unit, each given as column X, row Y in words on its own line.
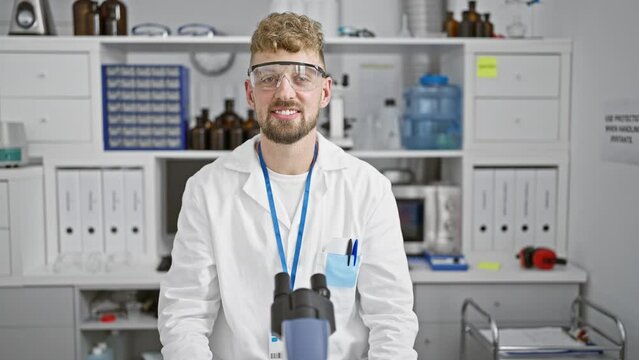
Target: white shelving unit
column 531, row 91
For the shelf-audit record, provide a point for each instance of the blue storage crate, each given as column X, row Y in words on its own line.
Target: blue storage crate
column 145, row 107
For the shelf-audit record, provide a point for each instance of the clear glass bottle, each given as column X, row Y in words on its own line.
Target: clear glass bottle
column 516, row 29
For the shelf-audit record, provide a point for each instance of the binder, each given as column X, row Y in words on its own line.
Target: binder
column 114, row 213
column 546, row 208
column 91, row 211
column 69, row 225
column 524, row 207
column 483, row 201
column 134, row 211
column 504, row 212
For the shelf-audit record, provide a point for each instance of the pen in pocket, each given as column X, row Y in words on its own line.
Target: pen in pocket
column 349, row 252
column 355, row 252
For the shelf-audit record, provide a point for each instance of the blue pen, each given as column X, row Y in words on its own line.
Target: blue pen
column 355, row 252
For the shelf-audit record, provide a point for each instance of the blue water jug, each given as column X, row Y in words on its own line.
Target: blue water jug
column 433, row 115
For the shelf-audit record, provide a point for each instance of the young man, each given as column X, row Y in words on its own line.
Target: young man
column 286, row 200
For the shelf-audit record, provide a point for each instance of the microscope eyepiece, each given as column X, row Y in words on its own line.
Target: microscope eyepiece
column 282, row 285
column 318, row 284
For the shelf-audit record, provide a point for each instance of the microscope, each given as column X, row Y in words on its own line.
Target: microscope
column 303, row 319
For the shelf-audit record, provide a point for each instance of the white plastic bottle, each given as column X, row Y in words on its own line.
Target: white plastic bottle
column 116, row 343
column 97, row 353
column 389, row 126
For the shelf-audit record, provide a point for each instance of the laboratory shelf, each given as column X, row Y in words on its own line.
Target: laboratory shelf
column 146, row 322
column 362, row 154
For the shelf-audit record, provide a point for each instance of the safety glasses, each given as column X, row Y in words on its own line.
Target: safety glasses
column 194, row 29
column 301, row 76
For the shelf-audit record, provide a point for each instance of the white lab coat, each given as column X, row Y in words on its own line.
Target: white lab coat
column 219, row 290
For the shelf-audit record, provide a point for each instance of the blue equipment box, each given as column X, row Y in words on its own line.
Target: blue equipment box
column 145, row 107
column 446, row 262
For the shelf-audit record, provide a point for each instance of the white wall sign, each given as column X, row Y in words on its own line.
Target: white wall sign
column 620, row 136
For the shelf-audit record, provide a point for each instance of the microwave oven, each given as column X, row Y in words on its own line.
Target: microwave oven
column 417, row 222
column 430, row 218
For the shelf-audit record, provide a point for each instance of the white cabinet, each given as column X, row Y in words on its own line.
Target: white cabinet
column 527, row 120
column 44, row 74
column 4, row 204
column 5, row 253
column 519, row 75
column 51, row 89
column 22, row 238
column 37, row 323
column 50, row 120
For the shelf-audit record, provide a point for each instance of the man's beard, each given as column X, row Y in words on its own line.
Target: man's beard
column 287, row 132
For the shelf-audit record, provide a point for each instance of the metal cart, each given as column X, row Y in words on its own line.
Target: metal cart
column 609, row 345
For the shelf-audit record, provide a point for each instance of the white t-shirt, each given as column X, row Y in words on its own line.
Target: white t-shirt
column 288, row 191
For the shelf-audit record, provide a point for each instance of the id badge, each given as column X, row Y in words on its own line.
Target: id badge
column 276, row 348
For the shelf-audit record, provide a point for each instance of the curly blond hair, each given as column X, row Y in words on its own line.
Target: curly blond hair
column 288, row 31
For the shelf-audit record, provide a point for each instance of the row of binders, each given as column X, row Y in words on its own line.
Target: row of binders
column 513, row 208
column 101, row 210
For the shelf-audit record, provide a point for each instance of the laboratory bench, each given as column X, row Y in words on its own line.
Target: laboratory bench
column 52, row 309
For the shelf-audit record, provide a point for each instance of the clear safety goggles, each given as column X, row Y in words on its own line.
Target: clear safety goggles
column 301, row 76
column 161, row 30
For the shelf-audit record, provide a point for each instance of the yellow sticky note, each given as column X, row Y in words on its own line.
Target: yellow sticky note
column 489, row 265
column 486, row 67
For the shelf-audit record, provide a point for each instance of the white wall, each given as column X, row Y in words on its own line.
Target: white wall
column 604, row 196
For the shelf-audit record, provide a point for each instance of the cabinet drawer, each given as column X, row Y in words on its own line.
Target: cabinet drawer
column 37, row 343
column 50, row 120
column 438, row 341
column 514, row 303
column 4, row 205
column 5, row 253
column 516, row 120
column 44, row 74
column 520, row 75
column 36, row 307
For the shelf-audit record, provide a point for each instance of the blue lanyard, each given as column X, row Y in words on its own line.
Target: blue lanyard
column 271, row 203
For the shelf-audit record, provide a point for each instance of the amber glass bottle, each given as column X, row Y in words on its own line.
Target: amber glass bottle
column 232, row 124
column 217, row 139
column 250, row 126
column 479, row 27
column 113, row 18
column 466, row 27
column 473, row 15
column 81, row 16
column 197, row 135
column 451, row 26
column 488, row 26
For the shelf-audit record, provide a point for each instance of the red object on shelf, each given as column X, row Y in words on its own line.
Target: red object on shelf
column 107, row 318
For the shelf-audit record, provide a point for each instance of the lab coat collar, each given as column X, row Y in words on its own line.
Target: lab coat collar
column 330, row 157
column 245, row 159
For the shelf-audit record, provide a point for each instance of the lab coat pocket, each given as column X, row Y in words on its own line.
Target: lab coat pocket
column 338, row 271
